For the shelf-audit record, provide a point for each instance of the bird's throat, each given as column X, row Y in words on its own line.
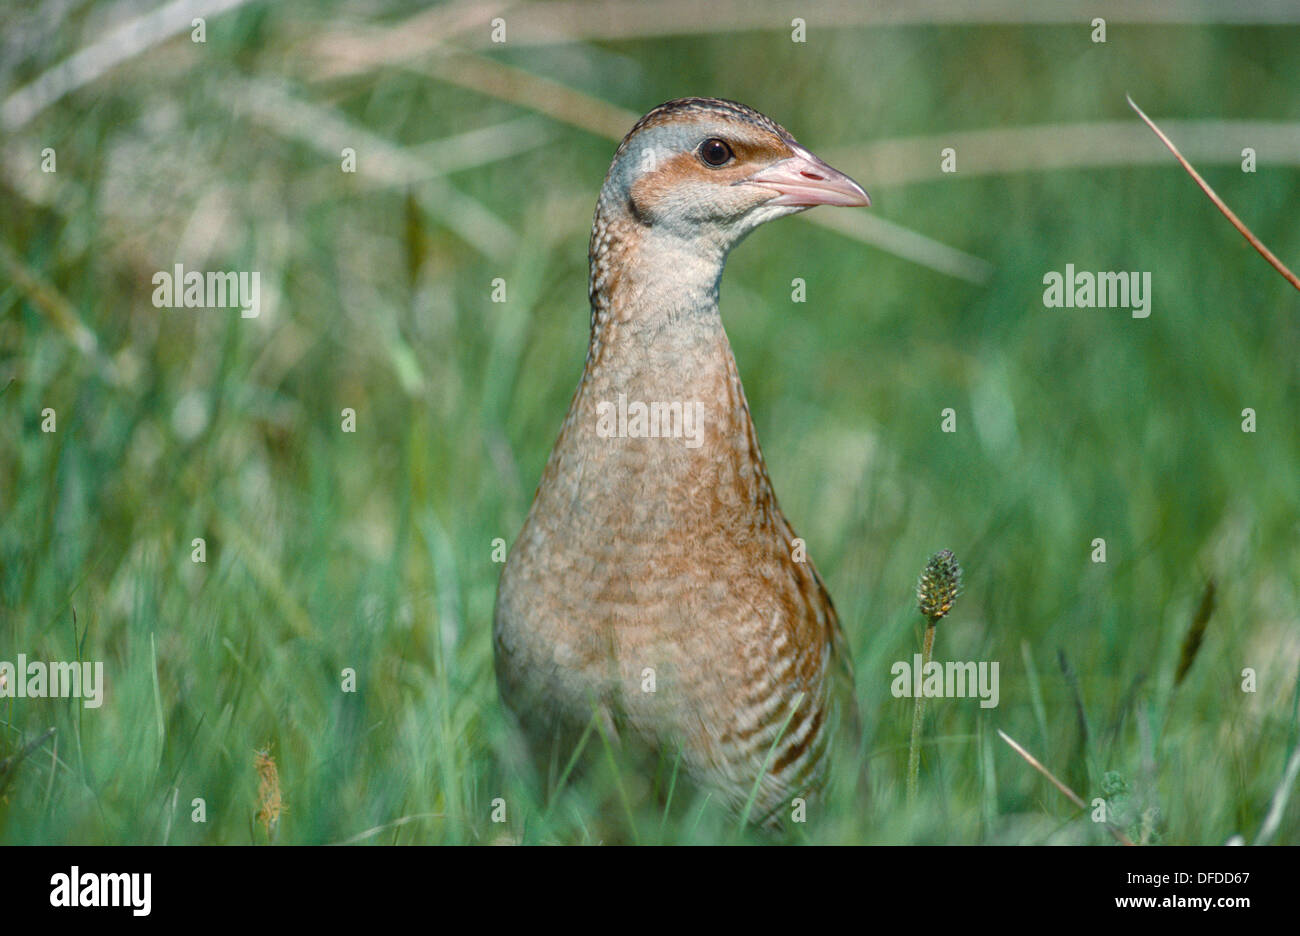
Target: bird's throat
column 648, row 278
column 659, row 428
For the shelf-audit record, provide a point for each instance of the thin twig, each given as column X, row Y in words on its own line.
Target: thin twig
column 1070, row 794
column 1218, row 202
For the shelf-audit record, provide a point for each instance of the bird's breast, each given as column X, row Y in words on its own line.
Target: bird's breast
column 655, row 575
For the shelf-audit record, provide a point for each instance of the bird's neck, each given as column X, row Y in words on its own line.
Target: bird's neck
column 644, row 279
column 655, row 324
column 657, row 343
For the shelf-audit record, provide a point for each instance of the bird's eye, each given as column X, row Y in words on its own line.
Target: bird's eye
column 715, row 152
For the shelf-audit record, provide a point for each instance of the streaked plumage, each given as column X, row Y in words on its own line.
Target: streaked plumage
column 647, row 554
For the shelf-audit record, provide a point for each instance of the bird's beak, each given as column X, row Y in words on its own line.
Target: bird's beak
column 804, row 180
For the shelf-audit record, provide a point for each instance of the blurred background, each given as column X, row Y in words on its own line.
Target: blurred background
column 478, row 160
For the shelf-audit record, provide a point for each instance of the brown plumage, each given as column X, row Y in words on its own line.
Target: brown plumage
column 661, row 558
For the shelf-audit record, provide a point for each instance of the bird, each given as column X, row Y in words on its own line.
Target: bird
column 656, row 591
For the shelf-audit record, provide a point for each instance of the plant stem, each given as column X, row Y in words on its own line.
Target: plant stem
column 918, row 715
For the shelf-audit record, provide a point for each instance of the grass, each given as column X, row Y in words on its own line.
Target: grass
column 372, row 551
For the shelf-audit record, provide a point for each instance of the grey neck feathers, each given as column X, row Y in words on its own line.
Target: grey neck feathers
column 644, row 279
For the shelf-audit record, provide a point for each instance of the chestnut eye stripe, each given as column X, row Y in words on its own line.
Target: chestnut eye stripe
column 674, row 111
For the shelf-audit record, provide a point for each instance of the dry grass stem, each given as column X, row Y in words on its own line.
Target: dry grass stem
column 1218, row 202
column 1073, row 797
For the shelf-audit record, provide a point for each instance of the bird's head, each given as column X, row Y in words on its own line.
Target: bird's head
column 709, row 171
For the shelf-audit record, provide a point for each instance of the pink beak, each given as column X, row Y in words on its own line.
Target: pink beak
column 804, row 180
